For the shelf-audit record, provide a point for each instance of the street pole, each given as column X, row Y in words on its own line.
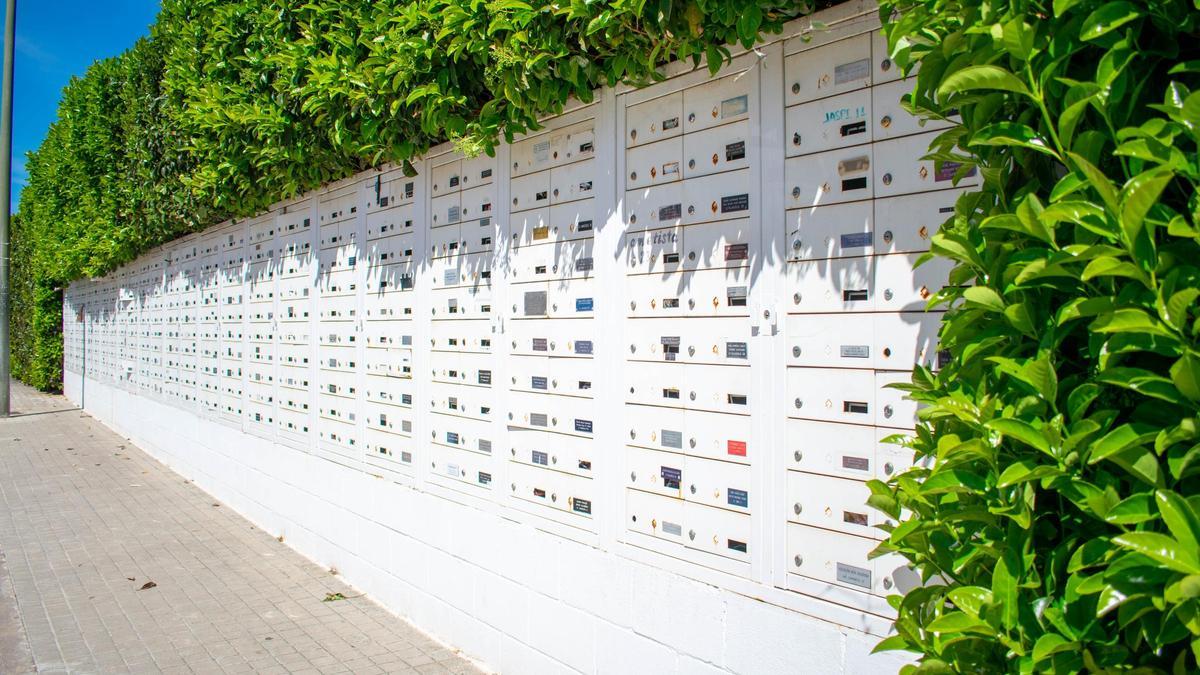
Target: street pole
column 10, row 32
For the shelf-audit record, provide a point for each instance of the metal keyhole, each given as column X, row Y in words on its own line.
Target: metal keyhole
column 797, row 455
column 887, row 179
column 887, row 236
column 796, row 192
column 887, row 411
column 795, row 87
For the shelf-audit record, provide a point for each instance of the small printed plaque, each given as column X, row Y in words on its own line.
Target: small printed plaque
column 735, row 151
column 737, row 252
column 857, row 240
column 451, row 438
column 535, row 303
column 855, row 576
column 583, row 346
column 672, row 439
column 736, row 350
column 538, row 419
column 856, row 463
column 583, row 506
column 735, row 203
column 583, row 426
column 538, row 382
column 540, row 345
column 670, row 212
column 584, row 305
column 541, row 458
column 732, row 107
column 855, row 351
column 739, row 498
column 850, row 72
column 736, row 448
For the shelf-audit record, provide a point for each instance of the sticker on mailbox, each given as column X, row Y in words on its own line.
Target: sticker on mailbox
column 535, row 303
column 856, row 463
column 735, row 203
column 736, row 448
column 540, row 233
column 673, row 529
column 736, row 350
column 537, row 382
column 849, row 72
column 484, row 377
column 855, row 576
column 539, row 344
column 948, row 169
column 671, row 477
column 585, row 265
column 584, row 305
column 732, row 107
column 541, row 458
column 583, row 506
column 583, row 346
column 735, row 151
column 450, row 277
column 485, row 446
column 672, row 439
column 670, row 212
column 538, row 419
column 737, row 252
column 451, row 438
column 484, row 478
column 857, row 240
column 855, row 351
column 739, row 498
column 583, row 426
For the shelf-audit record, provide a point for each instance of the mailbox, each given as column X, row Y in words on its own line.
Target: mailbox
column 716, row 150
column 654, row 120
column 551, row 452
column 716, row 102
column 899, row 169
column 830, row 123
column 827, row 70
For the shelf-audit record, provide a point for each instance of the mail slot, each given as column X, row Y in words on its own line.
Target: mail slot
column 654, row 120
column 829, row 123
column 719, row 484
column 717, row 102
column 834, row 504
column 835, row 231
column 654, row 164
column 717, row 531
column 826, row 286
column 885, row 341
column 716, row 150
column 828, row 70
column 661, row 473
column 655, row 516
column 445, row 178
column 903, row 286
column 844, row 561
column 572, row 182
column 891, row 120
column 552, row 452
column 709, row 340
column 565, row 377
column 831, row 177
column 899, row 168
column 908, row 223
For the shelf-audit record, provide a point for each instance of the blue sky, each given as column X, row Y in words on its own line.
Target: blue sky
column 55, row 41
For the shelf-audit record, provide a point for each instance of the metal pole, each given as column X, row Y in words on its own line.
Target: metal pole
column 10, row 31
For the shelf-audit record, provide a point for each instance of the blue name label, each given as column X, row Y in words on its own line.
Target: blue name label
column 452, row 437
column 584, row 305
column 583, row 426
column 857, row 240
column 738, row 498
column 583, row 346
column 538, row 382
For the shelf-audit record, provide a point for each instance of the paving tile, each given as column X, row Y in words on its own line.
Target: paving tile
column 73, row 530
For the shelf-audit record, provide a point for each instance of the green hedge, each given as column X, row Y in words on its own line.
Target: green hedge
column 1061, row 520
column 229, row 107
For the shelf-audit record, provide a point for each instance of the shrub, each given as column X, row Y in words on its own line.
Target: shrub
column 1059, row 525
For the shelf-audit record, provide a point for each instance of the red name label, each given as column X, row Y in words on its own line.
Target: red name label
column 736, row 448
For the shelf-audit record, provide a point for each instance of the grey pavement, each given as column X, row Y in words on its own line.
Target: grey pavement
column 112, row 563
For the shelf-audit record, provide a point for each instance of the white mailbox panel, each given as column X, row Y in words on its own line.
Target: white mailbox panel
column 654, row 164
column 461, row 467
column 829, row 123
column 709, row 340
column 717, row 531
column 661, row 473
column 531, row 155
column 907, row 223
column 891, row 120
column 831, row 177
column 477, row 202
column 477, row 171
column 452, row 399
column 654, row 515
column 530, row 191
column 900, row 170
column 557, row 491
column 573, row 143
column 834, row 504
column 837, row 285
column 654, row 120
column 390, row 222
column 903, row 286
column 844, row 450
column 564, row 377
column 446, row 210
column 562, row 414
column 446, row 178
column 723, row 485
column 827, row 70
column 884, row 340
column 716, row 150
column 573, row 182
column 717, row 102
column 461, row 433
column 556, row 452
column 835, row 558
column 719, row 292
column 835, row 231
column 461, row 336
column 567, row 339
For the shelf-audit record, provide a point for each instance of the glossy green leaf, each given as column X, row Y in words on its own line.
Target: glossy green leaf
column 1161, row 548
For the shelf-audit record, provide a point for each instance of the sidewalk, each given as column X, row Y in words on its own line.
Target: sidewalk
column 112, row 563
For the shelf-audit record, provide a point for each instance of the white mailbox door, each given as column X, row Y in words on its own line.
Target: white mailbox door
column 829, row 123
column 835, row 231
column 828, row 69
column 654, row 120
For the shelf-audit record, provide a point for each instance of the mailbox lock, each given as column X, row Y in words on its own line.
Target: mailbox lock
column 692, row 163
column 692, row 534
column 632, row 349
column 512, row 486
column 552, row 345
column 798, row 403
column 796, row 352
column 691, row 117
column 797, row 455
column 554, row 496
column 887, row 582
column 693, row 488
column 633, row 219
column 691, row 350
column 632, row 175
column 692, row 396
column 795, row 87
column 797, row 508
column 887, row 294
column 691, row 209
column 796, row 298
column 798, row 560
column 796, row 192
column 713, row 206
column 514, row 380
column 691, row 442
column 888, row 468
column 796, row 138
column 887, row 351
column 691, row 255
column 887, row 236
column 886, row 121
column 514, row 344
column 887, row 179
column 633, row 476
column 633, row 134
column 885, row 65
column 887, row 411
column 510, row 416
column 766, row 313
column 554, row 307
column 632, row 305
column 513, row 452
column 796, row 244
column 632, row 433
